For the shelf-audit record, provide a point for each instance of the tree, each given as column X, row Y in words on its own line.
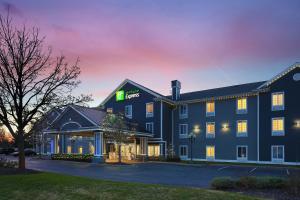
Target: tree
column 31, row 81
column 115, row 128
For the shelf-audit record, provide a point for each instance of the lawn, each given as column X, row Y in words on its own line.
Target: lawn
column 50, row 186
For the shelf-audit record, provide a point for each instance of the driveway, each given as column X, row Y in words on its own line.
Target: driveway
column 156, row 173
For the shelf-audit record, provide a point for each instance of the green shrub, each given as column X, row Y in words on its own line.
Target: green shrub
column 247, row 182
column 293, row 184
column 73, row 157
column 8, row 163
column 223, row 183
column 270, row 183
column 173, row 158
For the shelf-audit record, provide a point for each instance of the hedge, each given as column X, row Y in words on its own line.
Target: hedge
column 73, row 157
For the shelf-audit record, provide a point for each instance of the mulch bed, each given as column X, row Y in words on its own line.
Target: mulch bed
column 15, row 171
column 276, row 194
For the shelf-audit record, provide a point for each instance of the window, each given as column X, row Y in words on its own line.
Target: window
column 149, row 127
column 128, row 111
column 109, row 110
column 241, row 106
column 277, row 101
column 278, row 127
column 210, row 109
column 210, row 152
column 241, row 128
column 69, row 149
column 80, row 150
column 91, row 148
column 183, row 130
column 242, row 152
column 183, row 111
column 183, row 151
column 149, row 109
column 277, row 153
column 210, row 130
column 153, row 150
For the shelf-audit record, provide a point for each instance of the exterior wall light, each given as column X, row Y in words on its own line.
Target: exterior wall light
column 196, row 129
column 297, row 123
column 225, row 127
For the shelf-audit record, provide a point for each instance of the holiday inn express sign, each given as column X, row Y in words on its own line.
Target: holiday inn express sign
column 122, row 95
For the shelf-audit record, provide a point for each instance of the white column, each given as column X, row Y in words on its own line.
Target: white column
column 56, row 144
column 98, row 144
column 62, row 143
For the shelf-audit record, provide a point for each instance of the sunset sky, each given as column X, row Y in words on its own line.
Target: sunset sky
column 203, row 44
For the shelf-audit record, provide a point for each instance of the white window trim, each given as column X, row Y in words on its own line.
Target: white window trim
column 149, row 114
column 276, row 160
column 183, row 135
column 128, row 116
column 278, row 133
column 187, row 151
column 237, row 153
column 277, row 108
column 152, row 126
column 183, row 116
column 210, row 135
column 241, row 111
column 210, row 114
column 210, row 157
column 241, row 134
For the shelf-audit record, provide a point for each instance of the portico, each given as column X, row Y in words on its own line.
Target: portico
column 76, row 132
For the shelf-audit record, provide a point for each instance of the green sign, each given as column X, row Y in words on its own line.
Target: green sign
column 120, row 95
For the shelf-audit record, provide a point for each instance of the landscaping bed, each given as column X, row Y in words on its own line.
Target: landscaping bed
column 73, row 157
column 269, row 187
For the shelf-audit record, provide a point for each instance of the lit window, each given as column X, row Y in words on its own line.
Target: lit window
column 210, row 108
column 183, row 130
column 278, row 101
column 69, row 149
column 183, row 111
column 210, row 152
column 210, row 129
column 242, row 128
column 80, row 150
column 242, row 153
column 128, row 111
column 241, row 105
column 149, row 109
column 278, row 126
column 149, row 127
column 183, row 151
column 153, row 150
column 91, row 148
column 109, row 110
column 277, row 153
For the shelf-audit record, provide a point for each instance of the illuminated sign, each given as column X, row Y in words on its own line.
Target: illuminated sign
column 121, row 95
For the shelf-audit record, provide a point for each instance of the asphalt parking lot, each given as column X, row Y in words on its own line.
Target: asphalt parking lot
column 199, row 175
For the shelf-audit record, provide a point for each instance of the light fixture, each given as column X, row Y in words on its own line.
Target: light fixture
column 225, row 126
column 196, row 129
column 297, row 123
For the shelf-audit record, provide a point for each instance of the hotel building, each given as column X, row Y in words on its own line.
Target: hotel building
column 254, row 122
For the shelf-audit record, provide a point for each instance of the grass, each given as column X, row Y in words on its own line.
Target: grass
column 50, row 186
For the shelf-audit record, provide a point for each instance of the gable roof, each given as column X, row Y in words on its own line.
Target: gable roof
column 220, row 92
column 278, row 76
column 95, row 115
column 157, row 95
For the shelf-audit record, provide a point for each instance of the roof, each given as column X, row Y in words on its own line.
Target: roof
column 156, row 94
column 93, row 114
column 278, row 76
column 218, row 92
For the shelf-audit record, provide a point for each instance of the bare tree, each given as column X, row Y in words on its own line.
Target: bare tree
column 115, row 128
column 31, row 82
